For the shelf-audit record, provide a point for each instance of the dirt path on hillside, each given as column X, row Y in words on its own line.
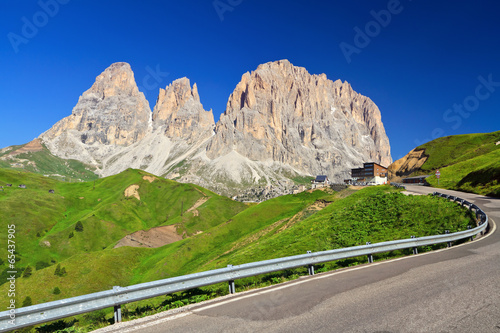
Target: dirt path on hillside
column 197, row 204
column 315, row 207
column 153, row 238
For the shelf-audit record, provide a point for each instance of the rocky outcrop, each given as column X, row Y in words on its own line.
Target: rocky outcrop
column 179, row 110
column 282, row 114
column 406, row 165
column 111, row 113
column 180, row 129
column 31, row 147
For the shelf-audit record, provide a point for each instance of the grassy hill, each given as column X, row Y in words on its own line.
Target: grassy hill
column 469, row 162
column 217, row 233
column 45, row 223
column 36, row 158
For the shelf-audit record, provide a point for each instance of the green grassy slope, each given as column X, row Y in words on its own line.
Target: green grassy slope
column 374, row 214
column 468, row 162
column 458, row 148
column 222, row 232
column 207, row 250
column 93, row 269
column 45, row 222
column 44, row 163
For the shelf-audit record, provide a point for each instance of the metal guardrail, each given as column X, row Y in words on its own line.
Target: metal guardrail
column 118, row 296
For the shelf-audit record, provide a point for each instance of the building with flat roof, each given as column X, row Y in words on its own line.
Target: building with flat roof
column 371, row 172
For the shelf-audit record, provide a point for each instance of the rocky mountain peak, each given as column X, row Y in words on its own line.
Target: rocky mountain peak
column 117, row 79
column 111, row 113
column 179, row 110
column 281, row 113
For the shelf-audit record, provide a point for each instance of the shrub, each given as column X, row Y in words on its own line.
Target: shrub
column 27, row 301
column 27, row 272
column 79, row 226
column 56, row 291
column 41, row 265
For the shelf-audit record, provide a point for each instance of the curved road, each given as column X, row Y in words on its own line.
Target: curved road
column 451, row 290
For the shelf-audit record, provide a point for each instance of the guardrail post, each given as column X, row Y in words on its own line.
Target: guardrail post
column 471, row 237
column 117, row 309
column 310, row 268
column 370, row 256
column 415, row 250
column 118, row 314
column 447, row 232
column 232, row 288
column 480, row 223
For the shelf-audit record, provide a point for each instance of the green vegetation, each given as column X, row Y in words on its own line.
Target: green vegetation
column 44, row 163
column 60, row 271
column 27, row 301
column 374, row 214
column 27, row 272
column 79, row 226
column 216, row 231
column 44, row 222
column 469, row 162
column 302, row 180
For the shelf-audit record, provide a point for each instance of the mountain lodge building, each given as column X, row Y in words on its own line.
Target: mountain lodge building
column 320, row 181
column 371, row 173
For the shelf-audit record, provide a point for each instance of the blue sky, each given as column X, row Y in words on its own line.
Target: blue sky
column 431, row 67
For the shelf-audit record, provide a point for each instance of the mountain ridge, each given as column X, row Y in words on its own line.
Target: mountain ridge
column 280, row 122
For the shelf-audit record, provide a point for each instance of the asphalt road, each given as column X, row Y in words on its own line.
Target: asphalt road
column 451, row 290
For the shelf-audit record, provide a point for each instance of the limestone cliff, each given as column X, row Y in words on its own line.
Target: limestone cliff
column 181, row 129
column 282, row 114
column 179, row 109
column 111, row 113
